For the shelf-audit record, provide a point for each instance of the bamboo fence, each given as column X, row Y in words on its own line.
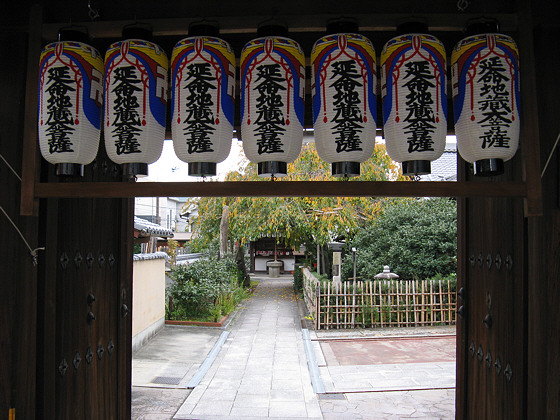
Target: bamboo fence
column 380, row 303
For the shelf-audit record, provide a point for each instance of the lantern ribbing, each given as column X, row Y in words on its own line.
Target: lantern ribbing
column 70, row 102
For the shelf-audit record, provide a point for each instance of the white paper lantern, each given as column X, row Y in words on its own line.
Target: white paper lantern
column 344, row 101
column 486, row 100
column 135, row 103
column 272, row 109
column 70, row 105
column 203, row 83
column 413, row 85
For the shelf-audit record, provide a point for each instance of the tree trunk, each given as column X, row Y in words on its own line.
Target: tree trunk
column 240, row 260
column 224, row 232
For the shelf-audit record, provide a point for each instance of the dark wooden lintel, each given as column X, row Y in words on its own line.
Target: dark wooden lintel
column 296, row 23
column 282, row 189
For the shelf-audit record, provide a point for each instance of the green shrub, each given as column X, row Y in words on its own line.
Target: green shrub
column 416, row 238
column 298, row 279
column 197, row 286
column 204, row 290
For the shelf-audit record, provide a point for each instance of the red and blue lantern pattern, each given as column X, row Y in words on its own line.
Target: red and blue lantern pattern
column 272, row 99
column 135, row 101
column 413, row 86
column 70, row 102
column 344, row 89
column 486, row 97
column 203, row 83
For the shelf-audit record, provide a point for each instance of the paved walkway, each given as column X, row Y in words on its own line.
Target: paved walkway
column 262, row 370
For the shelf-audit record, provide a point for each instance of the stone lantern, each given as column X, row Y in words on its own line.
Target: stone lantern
column 386, row 274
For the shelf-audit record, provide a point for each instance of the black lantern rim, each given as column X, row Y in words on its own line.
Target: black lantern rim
column 489, row 167
column 69, row 169
column 272, row 168
column 135, row 170
column 482, row 26
column 412, row 26
column 342, row 25
column 416, row 167
column 272, row 27
column 73, row 33
column 141, row 31
column 202, row 169
column 345, row 169
column 204, row 28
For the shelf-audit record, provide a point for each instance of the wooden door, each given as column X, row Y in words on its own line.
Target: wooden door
column 85, row 363
column 491, row 327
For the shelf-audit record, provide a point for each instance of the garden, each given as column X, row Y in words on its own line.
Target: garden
column 206, row 290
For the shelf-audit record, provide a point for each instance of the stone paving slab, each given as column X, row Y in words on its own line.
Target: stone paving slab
column 388, row 377
column 370, row 351
column 175, row 352
column 261, row 370
column 434, row 404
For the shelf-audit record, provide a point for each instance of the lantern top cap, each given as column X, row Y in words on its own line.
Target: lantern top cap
column 272, row 27
column 482, row 26
column 137, row 31
column 204, row 28
column 73, row 33
column 413, row 26
column 342, row 25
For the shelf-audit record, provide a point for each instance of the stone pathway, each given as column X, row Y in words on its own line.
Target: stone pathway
column 261, row 371
column 435, row 404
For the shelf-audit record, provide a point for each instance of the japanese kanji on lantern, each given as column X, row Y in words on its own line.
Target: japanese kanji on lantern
column 272, row 84
column 413, row 88
column 135, row 101
column 70, row 102
column 203, row 82
column 344, row 88
column 486, row 100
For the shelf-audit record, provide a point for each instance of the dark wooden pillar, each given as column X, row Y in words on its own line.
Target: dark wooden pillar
column 543, row 340
column 18, row 275
column 492, row 299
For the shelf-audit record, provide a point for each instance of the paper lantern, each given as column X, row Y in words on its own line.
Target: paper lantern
column 70, row 103
column 344, row 89
column 272, row 83
column 203, row 82
column 135, row 103
column 486, row 100
column 413, row 84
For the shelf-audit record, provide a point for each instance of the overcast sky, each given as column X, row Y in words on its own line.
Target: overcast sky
column 169, row 168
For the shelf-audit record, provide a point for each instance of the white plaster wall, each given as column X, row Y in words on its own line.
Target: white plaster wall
column 148, row 299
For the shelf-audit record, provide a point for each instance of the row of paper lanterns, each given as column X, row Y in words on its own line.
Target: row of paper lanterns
column 125, row 95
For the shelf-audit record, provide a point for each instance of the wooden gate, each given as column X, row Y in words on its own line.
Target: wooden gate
column 491, row 330
column 85, row 308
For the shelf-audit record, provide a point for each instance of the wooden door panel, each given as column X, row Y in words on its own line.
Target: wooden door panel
column 86, row 359
column 493, row 327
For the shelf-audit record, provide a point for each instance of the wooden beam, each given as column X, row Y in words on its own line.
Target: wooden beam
column 296, row 23
column 30, row 163
column 282, row 189
column 530, row 145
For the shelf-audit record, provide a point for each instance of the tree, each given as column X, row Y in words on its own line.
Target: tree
column 296, row 220
column 417, row 238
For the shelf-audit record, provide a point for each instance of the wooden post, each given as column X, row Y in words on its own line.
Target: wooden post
column 318, row 306
column 449, row 302
column 224, row 222
column 31, row 160
column 406, row 302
